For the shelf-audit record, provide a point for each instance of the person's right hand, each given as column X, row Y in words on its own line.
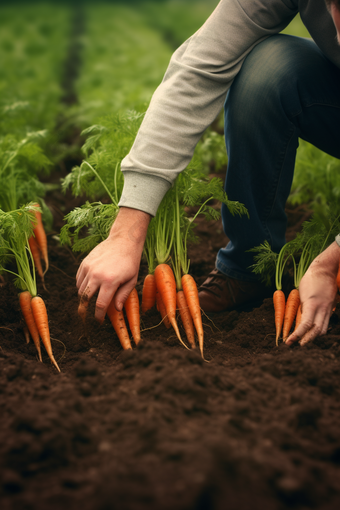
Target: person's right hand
column 112, row 266
column 317, row 290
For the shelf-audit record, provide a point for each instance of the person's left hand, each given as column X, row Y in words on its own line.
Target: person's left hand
column 318, row 290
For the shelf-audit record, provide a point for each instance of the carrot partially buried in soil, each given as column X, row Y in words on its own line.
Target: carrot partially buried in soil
column 131, row 306
column 118, row 323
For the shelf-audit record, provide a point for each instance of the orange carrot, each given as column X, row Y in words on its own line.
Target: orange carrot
column 41, row 320
column 191, row 295
column 149, row 293
column 83, row 306
column 26, row 334
column 166, row 286
column 298, row 317
column 40, row 236
column 118, row 323
column 162, row 310
column 185, row 314
column 292, row 306
column 132, row 312
column 25, row 300
column 279, row 301
column 36, row 256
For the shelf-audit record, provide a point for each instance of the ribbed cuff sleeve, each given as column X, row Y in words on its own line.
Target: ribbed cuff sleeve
column 143, row 191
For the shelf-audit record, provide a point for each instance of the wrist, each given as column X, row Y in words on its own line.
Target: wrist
column 328, row 261
column 131, row 225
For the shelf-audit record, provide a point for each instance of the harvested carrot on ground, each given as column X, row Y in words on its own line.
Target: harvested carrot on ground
column 118, row 323
column 41, row 321
column 25, row 299
column 131, row 306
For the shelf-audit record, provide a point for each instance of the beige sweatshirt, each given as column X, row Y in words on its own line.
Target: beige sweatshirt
column 195, row 85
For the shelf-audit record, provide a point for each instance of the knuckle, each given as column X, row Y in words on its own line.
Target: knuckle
column 100, row 306
column 317, row 330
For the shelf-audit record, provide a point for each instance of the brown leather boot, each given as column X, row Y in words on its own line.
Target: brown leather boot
column 220, row 293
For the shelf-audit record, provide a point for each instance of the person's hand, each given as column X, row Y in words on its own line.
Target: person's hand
column 318, row 290
column 112, row 266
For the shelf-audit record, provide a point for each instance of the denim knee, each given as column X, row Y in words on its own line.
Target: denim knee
column 269, row 79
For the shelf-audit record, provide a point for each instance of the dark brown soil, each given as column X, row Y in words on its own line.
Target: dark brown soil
column 158, row 428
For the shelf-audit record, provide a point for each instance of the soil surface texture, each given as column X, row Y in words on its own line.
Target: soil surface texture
column 254, row 426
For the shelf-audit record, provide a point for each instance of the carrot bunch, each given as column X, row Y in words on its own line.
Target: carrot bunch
column 16, row 230
column 168, row 236
column 286, row 312
column 293, row 308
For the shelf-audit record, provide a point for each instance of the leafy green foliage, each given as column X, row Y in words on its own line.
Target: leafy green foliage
column 20, row 163
column 33, row 44
column 15, row 229
column 316, row 235
column 176, row 19
column 211, row 152
column 316, row 181
column 96, row 217
column 107, row 144
column 265, row 262
column 122, row 68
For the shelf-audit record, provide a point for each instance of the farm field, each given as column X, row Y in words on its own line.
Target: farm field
column 253, row 426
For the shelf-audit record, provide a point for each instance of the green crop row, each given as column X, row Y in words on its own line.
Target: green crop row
column 33, row 44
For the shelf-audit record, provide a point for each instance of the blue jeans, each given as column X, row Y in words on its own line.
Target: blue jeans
column 286, row 89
